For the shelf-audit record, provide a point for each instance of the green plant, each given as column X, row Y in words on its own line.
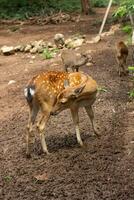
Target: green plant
column 102, row 89
column 49, row 53
column 131, row 93
column 103, row 3
column 131, row 68
column 7, row 178
column 126, row 6
column 127, row 29
column 23, row 9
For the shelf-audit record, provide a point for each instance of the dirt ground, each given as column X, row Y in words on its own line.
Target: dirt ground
column 104, row 169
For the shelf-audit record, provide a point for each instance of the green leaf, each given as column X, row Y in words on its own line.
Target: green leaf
column 131, row 94
column 127, row 29
column 7, row 178
column 102, row 89
column 131, row 68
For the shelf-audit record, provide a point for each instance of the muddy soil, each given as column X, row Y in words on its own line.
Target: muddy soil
column 104, row 168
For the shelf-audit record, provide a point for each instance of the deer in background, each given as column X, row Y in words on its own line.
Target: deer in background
column 51, row 92
column 71, row 60
column 122, row 54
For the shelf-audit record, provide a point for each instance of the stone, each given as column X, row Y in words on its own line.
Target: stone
column 34, row 50
column 17, row 48
column 7, row 50
column 89, row 64
column 75, row 43
column 22, row 48
column 11, row 82
column 49, row 44
column 27, row 48
column 31, row 62
column 40, row 49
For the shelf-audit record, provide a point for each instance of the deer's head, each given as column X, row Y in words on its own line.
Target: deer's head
column 67, row 97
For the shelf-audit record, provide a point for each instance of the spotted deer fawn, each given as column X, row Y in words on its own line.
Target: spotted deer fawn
column 51, row 92
column 122, row 54
column 71, row 60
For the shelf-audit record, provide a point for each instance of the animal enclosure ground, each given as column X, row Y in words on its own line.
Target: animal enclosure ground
column 104, row 168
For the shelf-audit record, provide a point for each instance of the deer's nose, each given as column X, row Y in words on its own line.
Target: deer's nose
column 52, row 113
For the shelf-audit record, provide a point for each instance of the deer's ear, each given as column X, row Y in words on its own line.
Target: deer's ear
column 78, row 91
column 66, row 83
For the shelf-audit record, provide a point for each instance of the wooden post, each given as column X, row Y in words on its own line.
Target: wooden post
column 105, row 17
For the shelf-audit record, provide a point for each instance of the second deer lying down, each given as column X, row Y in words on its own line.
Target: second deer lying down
column 51, row 92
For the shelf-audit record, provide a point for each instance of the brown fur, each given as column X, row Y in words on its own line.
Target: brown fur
column 51, row 96
column 71, row 60
column 122, row 54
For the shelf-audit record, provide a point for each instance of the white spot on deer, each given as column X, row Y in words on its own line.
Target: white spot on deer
column 32, row 92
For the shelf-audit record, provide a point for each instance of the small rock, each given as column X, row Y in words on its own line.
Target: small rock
column 17, row 48
column 42, row 177
column 27, row 48
column 75, row 43
column 7, row 50
column 77, row 48
column 43, row 44
column 88, row 51
column 31, row 62
column 96, row 39
column 22, row 48
column 37, row 43
column 11, row 82
column 50, row 44
column 89, row 64
column 113, row 110
column 34, row 50
column 40, row 49
column 68, row 41
column 33, row 57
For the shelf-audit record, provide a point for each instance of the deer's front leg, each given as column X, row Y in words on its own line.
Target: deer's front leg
column 41, row 128
column 74, row 112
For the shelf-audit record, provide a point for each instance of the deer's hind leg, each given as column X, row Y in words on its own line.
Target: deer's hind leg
column 74, row 112
column 33, row 111
column 90, row 113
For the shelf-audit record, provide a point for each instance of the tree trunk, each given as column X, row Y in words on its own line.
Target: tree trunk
column 85, row 5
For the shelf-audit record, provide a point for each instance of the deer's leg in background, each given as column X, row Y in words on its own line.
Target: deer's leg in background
column 90, row 113
column 119, row 66
column 75, row 116
column 77, row 69
column 125, row 65
column 66, row 68
column 32, row 116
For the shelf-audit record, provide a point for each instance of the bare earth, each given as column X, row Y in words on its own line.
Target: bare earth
column 104, row 169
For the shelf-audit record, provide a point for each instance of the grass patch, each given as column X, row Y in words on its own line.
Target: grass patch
column 7, row 178
column 49, row 53
column 131, row 94
column 102, row 89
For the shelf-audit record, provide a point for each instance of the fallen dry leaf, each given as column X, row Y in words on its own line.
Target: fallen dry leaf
column 42, row 177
